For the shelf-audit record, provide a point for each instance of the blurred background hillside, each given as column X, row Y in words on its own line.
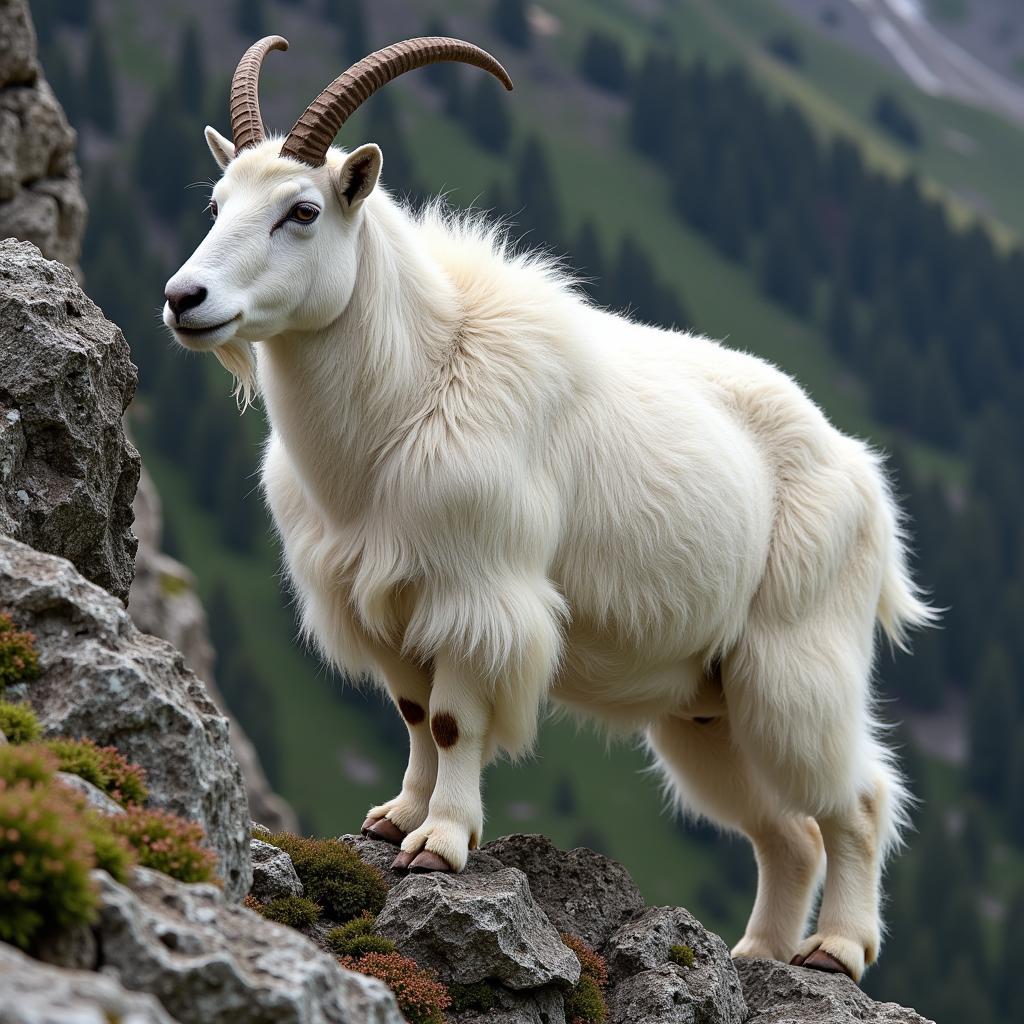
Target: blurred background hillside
column 834, row 185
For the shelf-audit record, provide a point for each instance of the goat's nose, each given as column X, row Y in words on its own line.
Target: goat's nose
column 180, row 301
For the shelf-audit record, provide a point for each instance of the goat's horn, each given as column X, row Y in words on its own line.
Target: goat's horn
column 315, row 130
column 246, row 123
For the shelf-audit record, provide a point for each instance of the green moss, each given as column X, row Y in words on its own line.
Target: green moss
column 294, row 911
column 333, row 875
column 164, row 842
column 104, row 767
column 18, row 723
column 45, row 859
column 19, row 659
column 112, row 852
column 31, row 763
column 681, row 955
column 357, row 937
column 480, row 996
column 420, row 996
column 586, row 1003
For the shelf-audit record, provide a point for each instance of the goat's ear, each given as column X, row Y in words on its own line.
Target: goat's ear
column 223, row 150
column 358, row 175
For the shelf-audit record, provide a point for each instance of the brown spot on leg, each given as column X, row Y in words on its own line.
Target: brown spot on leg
column 445, row 730
column 411, row 711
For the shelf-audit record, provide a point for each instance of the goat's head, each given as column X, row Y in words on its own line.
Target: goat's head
column 282, row 253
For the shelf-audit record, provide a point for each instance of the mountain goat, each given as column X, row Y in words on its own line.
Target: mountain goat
column 491, row 493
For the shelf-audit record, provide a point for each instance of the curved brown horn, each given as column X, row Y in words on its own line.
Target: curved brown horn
column 246, row 122
column 315, row 130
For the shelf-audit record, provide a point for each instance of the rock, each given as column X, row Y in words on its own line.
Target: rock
column 643, row 976
column 163, row 601
column 478, row 926
column 541, row 1006
column 74, row 948
column 67, row 472
column 103, row 679
column 381, row 854
column 94, row 797
column 35, row 993
column 581, row 891
column 41, row 197
column 273, row 873
column 17, row 44
column 779, row 994
column 210, row 962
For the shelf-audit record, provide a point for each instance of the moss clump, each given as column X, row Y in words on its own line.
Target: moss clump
column 112, row 852
column 586, row 1003
column 480, row 996
column 333, row 875
column 104, row 767
column 164, row 842
column 19, row 659
column 681, row 955
column 294, row 911
column 420, row 996
column 357, row 937
column 18, row 723
column 45, row 851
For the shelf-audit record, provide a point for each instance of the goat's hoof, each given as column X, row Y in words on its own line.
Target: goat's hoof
column 819, row 960
column 426, row 861
column 384, row 829
column 402, row 861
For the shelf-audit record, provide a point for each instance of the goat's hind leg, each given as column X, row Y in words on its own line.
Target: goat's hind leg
column 408, row 684
column 712, row 777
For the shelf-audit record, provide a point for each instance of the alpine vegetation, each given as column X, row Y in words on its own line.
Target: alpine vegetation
column 491, row 493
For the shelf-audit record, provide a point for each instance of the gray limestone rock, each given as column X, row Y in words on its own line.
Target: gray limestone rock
column 273, row 874
column 478, row 926
column 779, row 994
column 582, row 892
column 640, row 969
column 103, row 679
column 35, row 993
column 67, row 472
column 17, row 44
column 94, row 797
column 209, row 962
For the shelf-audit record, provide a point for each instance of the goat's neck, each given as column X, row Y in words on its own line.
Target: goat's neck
column 338, row 397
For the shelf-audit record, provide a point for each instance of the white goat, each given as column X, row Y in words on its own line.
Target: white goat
column 491, row 493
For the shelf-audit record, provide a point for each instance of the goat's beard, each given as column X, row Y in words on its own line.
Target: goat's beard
column 238, row 359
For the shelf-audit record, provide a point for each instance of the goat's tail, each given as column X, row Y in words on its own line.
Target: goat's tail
column 901, row 606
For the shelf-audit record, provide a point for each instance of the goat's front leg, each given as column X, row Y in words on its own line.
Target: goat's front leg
column 409, row 687
column 461, row 713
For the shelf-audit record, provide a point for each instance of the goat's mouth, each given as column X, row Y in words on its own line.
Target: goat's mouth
column 205, row 336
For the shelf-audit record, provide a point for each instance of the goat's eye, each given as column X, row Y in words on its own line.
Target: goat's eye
column 213, row 209
column 304, row 213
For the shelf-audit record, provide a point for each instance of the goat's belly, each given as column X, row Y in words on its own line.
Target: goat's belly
column 626, row 691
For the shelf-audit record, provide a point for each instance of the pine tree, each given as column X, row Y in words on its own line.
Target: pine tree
column 487, row 116
column 511, row 23
column 251, row 18
column 99, row 92
column 537, row 200
column 349, row 16
column 62, row 78
column 191, row 71
column 225, row 634
column 603, row 62
column 992, row 714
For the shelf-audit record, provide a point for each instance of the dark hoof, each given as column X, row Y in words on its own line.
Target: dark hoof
column 402, row 861
column 426, row 861
column 385, row 830
column 797, row 961
column 819, row 960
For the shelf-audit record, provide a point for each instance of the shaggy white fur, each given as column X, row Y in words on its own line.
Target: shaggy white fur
column 491, row 493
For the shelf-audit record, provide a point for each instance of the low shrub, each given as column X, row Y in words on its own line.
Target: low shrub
column 333, row 875
column 586, row 1003
column 480, row 996
column 294, row 911
column 32, row 763
column 104, row 767
column 18, row 723
column 19, row 659
column 357, row 937
column 164, row 842
column 112, row 852
column 45, row 859
column 420, row 996
column 681, row 955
